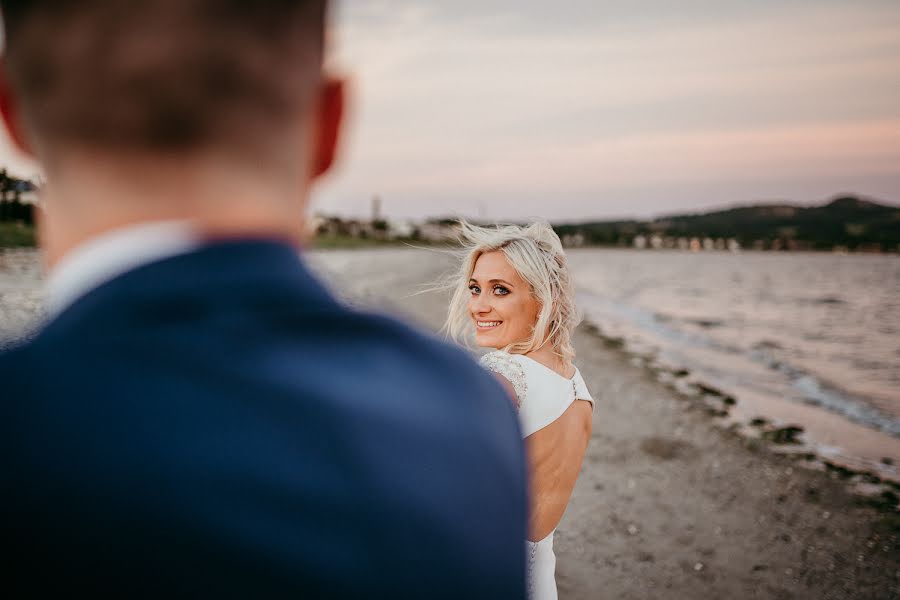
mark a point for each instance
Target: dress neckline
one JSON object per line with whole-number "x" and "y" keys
{"x": 569, "y": 379}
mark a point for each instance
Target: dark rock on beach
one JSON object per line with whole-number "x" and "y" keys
{"x": 784, "y": 435}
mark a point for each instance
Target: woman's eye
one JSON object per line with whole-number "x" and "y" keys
{"x": 500, "y": 290}
{"x": 474, "y": 289}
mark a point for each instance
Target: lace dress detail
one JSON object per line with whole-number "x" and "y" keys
{"x": 531, "y": 552}
{"x": 503, "y": 364}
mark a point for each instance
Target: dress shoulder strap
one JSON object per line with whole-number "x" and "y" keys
{"x": 503, "y": 364}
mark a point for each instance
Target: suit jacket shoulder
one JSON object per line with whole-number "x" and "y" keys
{"x": 218, "y": 423}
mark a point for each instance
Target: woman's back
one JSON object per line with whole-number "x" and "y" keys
{"x": 556, "y": 428}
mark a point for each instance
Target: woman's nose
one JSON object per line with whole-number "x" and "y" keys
{"x": 480, "y": 304}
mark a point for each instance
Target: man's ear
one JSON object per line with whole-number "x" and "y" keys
{"x": 11, "y": 115}
{"x": 327, "y": 123}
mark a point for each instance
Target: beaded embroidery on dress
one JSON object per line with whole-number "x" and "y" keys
{"x": 503, "y": 364}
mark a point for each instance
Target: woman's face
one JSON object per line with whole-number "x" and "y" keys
{"x": 500, "y": 304}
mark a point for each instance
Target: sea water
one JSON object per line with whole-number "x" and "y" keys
{"x": 811, "y": 329}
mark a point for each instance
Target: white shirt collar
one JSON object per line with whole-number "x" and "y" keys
{"x": 107, "y": 256}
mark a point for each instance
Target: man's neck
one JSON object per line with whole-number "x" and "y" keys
{"x": 218, "y": 200}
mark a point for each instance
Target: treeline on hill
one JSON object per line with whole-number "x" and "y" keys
{"x": 16, "y": 216}
{"x": 845, "y": 222}
{"x": 12, "y": 209}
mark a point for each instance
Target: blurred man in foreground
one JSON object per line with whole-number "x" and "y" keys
{"x": 199, "y": 416}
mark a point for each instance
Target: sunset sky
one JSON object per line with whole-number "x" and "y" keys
{"x": 601, "y": 109}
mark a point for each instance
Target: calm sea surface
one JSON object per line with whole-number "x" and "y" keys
{"x": 820, "y": 329}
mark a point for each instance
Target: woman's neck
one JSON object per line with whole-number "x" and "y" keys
{"x": 547, "y": 357}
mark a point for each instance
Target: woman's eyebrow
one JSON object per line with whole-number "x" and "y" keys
{"x": 506, "y": 283}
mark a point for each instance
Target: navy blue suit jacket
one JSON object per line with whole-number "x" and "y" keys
{"x": 216, "y": 424}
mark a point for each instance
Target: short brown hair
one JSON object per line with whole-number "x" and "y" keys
{"x": 161, "y": 75}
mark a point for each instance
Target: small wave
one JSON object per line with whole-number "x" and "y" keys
{"x": 826, "y": 300}
{"x": 657, "y": 325}
{"x": 767, "y": 345}
{"x": 706, "y": 323}
{"x": 821, "y": 394}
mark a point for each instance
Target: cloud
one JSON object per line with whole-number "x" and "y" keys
{"x": 500, "y": 106}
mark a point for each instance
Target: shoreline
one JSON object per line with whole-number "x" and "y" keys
{"x": 781, "y": 436}
{"x": 829, "y": 439}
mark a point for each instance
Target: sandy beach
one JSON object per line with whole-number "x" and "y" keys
{"x": 670, "y": 504}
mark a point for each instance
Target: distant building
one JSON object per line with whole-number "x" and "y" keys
{"x": 438, "y": 231}
{"x": 573, "y": 240}
{"x": 640, "y": 242}
{"x": 400, "y": 229}
{"x": 376, "y": 209}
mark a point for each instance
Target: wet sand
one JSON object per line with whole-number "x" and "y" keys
{"x": 670, "y": 503}
{"x": 21, "y": 298}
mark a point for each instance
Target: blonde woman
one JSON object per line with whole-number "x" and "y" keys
{"x": 514, "y": 291}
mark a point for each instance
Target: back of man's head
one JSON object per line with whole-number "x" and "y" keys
{"x": 161, "y": 76}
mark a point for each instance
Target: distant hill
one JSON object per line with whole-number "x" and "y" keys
{"x": 844, "y": 222}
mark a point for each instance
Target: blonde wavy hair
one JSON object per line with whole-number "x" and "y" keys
{"x": 537, "y": 255}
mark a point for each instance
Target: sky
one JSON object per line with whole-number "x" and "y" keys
{"x": 598, "y": 109}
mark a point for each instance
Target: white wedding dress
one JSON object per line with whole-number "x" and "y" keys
{"x": 543, "y": 396}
